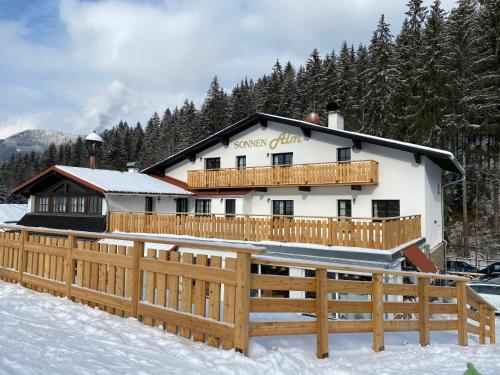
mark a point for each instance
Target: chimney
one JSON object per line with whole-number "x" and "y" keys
{"x": 131, "y": 167}
{"x": 93, "y": 142}
{"x": 335, "y": 116}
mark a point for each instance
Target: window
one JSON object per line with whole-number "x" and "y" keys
{"x": 77, "y": 205}
{"x": 95, "y": 205}
{"x": 181, "y": 205}
{"x": 344, "y": 154}
{"x": 241, "y": 162}
{"x": 212, "y": 163}
{"x": 283, "y": 208}
{"x": 42, "y": 204}
{"x": 202, "y": 206}
{"x": 283, "y": 159}
{"x": 230, "y": 206}
{"x": 385, "y": 208}
{"x": 59, "y": 204}
{"x": 149, "y": 204}
{"x": 344, "y": 208}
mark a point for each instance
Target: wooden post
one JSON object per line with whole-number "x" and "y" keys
{"x": 423, "y": 310}
{"x": 482, "y": 323}
{"x": 462, "y": 313}
{"x": 492, "y": 326}
{"x": 321, "y": 313}
{"x": 242, "y": 303}
{"x": 21, "y": 258}
{"x": 137, "y": 254}
{"x": 378, "y": 311}
{"x": 68, "y": 265}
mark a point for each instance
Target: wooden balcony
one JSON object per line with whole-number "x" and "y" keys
{"x": 323, "y": 174}
{"x": 379, "y": 233}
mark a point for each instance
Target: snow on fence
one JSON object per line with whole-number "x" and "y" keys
{"x": 373, "y": 233}
{"x": 208, "y": 292}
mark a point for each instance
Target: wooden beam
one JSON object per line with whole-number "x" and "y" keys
{"x": 138, "y": 253}
{"x": 423, "y": 310}
{"x": 321, "y": 313}
{"x": 482, "y": 323}
{"x": 492, "y": 326}
{"x": 304, "y": 188}
{"x": 378, "y": 311}
{"x": 461, "y": 288}
{"x": 21, "y": 258}
{"x": 68, "y": 264}
{"x": 242, "y": 303}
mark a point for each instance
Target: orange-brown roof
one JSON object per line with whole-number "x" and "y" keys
{"x": 418, "y": 258}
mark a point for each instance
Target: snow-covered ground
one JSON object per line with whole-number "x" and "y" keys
{"x": 42, "y": 334}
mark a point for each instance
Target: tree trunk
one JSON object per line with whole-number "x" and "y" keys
{"x": 465, "y": 248}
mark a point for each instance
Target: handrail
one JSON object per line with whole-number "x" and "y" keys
{"x": 251, "y": 249}
{"x": 381, "y": 219}
{"x": 284, "y": 166}
{"x": 478, "y": 297}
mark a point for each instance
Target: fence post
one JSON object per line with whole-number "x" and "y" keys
{"x": 462, "y": 313}
{"x": 21, "y": 259}
{"x": 242, "y": 303}
{"x": 492, "y": 326}
{"x": 137, "y": 254}
{"x": 423, "y": 310}
{"x": 482, "y": 323}
{"x": 378, "y": 311}
{"x": 321, "y": 313}
{"x": 69, "y": 269}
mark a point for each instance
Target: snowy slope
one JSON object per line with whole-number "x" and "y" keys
{"x": 42, "y": 334}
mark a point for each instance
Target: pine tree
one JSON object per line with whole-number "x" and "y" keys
{"x": 215, "y": 110}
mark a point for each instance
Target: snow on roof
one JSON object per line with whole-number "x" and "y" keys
{"x": 123, "y": 182}
{"x": 12, "y": 213}
{"x": 94, "y": 137}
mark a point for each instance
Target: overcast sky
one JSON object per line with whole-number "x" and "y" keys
{"x": 77, "y": 65}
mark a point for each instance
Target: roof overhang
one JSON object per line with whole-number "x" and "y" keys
{"x": 443, "y": 159}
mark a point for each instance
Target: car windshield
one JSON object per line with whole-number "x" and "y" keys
{"x": 486, "y": 289}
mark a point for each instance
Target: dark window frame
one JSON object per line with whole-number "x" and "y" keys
{"x": 148, "y": 205}
{"x": 204, "y": 204}
{"x": 349, "y": 208}
{"x": 240, "y": 165}
{"x": 230, "y": 206}
{"x": 209, "y": 161}
{"x": 283, "y": 207}
{"x": 81, "y": 202}
{"x": 56, "y": 206}
{"x": 181, "y": 205}
{"x": 387, "y": 211}
{"x": 344, "y": 154}
{"x": 282, "y": 159}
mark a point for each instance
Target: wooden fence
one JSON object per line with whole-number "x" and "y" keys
{"x": 380, "y": 233}
{"x": 201, "y": 295}
{"x": 363, "y": 172}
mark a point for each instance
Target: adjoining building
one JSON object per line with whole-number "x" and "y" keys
{"x": 266, "y": 178}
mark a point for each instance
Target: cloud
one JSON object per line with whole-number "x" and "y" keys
{"x": 15, "y": 125}
{"x": 121, "y": 59}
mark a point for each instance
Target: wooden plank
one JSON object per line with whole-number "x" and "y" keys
{"x": 173, "y": 291}
{"x": 111, "y": 277}
{"x": 45, "y": 284}
{"x": 350, "y": 326}
{"x": 337, "y": 306}
{"x": 111, "y": 259}
{"x": 22, "y": 255}
{"x": 482, "y": 324}
{"x": 353, "y": 287}
{"x": 136, "y": 294}
{"x": 492, "y": 326}
{"x": 186, "y": 294}
{"x": 443, "y": 308}
{"x": 282, "y": 305}
{"x": 229, "y": 300}
{"x": 45, "y": 249}
{"x": 400, "y": 289}
{"x": 214, "y": 301}
{"x": 123, "y": 275}
{"x": 442, "y": 291}
{"x": 192, "y": 271}
{"x": 378, "y": 312}
{"x": 9, "y": 274}
{"x": 473, "y": 329}
{"x": 286, "y": 283}
{"x": 282, "y": 328}
{"x": 68, "y": 264}
{"x": 461, "y": 293}
{"x": 423, "y": 311}
{"x": 401, "y": 325}
{"x": 200, "y": 292}
{"x": 101, "y": 298}
{"x": 150, "y": 286}
{"x": 242, "y": 303}
{"x": 187, "y": 321}
{"x": 401, "y": 307}
{"x": 161, "y": 288}
{"x": 321, "y": 313}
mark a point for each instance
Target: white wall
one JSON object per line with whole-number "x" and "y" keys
{"x": 400, "y": 177}
{"x": 137, "y": 203}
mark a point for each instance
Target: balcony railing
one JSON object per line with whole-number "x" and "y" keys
{"x": 323, "y": 174}
{"x": 372, "y": 233}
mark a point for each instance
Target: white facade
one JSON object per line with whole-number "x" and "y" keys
{"x": 415, "y": 185}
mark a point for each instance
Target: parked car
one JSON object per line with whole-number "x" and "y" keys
{"x": 460, "y": 266}
{"x": 492, "y": 269}
{"x": 489, "y": 290}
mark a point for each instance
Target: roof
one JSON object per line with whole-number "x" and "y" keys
{"x": 442, "y": 158}
{"x": 109, "y": 181}
{"x": 12, "y": 213}
{"x": 418, "y": 258}
{"x": 94, "y": 137}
